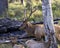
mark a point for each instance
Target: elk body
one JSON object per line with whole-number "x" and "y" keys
{"x": 37, "y": 30}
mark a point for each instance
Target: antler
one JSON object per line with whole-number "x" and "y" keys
{"x": 31, "y": 12}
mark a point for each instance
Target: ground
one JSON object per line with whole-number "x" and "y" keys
{"x": 10, "y": 46}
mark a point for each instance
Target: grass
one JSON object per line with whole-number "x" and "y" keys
{"x": 58, "y": 46}
{"x": 5, "y": 46}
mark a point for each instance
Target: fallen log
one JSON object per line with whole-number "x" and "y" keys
{"x": 41, "y": 22}
{"x": 7, "y": 25}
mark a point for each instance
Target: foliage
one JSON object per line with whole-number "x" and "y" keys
{"x": 16, "y": 9}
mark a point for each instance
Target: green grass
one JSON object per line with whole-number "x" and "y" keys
{"x": 5, "y": 46}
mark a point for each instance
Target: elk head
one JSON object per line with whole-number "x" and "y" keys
{"x": 31, "y": 12}
{"x": 27, "y": 26}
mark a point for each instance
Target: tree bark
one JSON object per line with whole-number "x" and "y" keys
{"x": 3, "y": 7}
{"x": 11, "y": 1}
{"x": 48, "y": 23}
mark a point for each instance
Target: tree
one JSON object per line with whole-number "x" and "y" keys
{"x": 21, "y": 1}
{"x": 11, "y": 1}
{"x": 3, "y": 7}
{"x": 48, "y": 23}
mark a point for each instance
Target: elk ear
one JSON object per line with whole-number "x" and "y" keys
{"x": 28, "y": 23}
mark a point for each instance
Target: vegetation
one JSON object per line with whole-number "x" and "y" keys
{"x": 16, "y": 9}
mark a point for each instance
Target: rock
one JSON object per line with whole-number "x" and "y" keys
{"x": 35, "y": 44}
{"x": 18, "y": 46}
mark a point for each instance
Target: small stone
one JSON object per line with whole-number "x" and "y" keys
{"x": 35, "y": 44}
{"x": 18, "y": 46}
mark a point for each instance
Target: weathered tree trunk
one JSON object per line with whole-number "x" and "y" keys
{"x": 11, "y": 1}
{"x": 48, "y": 23}
{"x": 3, "y": 7}
{"x": 21, "y": 1}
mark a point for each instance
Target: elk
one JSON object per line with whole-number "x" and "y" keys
{"x": 37, "y": 30}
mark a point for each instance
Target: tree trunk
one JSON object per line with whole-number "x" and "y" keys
{"x": 3, "y": 7}
{"x": 11, "y": 1}
{"x": 48, "y": 23}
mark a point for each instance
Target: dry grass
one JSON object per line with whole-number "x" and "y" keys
{"x": 58, "y": 46}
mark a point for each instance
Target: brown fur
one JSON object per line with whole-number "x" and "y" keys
{"x": 37, "y": 30}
